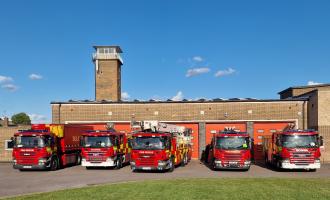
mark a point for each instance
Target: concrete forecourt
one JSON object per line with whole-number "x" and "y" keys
{"x": 195, "y": 180}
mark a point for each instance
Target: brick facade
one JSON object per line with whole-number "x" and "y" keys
{"x": 5, "y": 134}
{"x": 180, "y": 111}
{"x": 108, "y": 80}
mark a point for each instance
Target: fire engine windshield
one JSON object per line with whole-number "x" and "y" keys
{"x": 232, "y": 143}
{"x": 152, "y": 143}
{"x": 97, "y": 142}
{"x": 299, "y": 141}
{"x": 30, "y": 141}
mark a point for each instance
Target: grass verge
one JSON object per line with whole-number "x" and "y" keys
{"x": 243, "y": 189}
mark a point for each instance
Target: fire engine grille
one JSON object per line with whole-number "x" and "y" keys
{"x": 27, "y": 158}
{"x": 302, "y": 158}
{"x": 96, "y": 156}
{"x": 232, "y": 157}
{"x": 146, "y": 160}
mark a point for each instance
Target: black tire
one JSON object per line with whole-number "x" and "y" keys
{"x": 182, "y": 164}
{"x": 266, "y": 161}
{"x": 54, "y": 164}
{"x": 88, "y": 168}
{"x": 119, "y": 162}
{"x": 185, "y": 159}
{"x": 212, "y": 165}
{"x": 312, "y": 170}
{"x": 171, "y": 169}
{"x": 78, "y": 161}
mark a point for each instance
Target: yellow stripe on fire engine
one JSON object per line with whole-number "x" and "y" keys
{"x": 57, "y": 130}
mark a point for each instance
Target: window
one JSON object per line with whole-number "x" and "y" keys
{"x": 9, "y": 144}
{"x": 272, "y": 130}
{"x": 101, "y": 50}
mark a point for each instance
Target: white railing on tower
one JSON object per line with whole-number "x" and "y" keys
{"x": 107, "y": 56}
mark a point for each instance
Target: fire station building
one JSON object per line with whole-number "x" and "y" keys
{"x": 306, "y": 107}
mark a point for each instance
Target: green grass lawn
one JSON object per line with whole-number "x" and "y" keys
{"x": 200, "y": 189}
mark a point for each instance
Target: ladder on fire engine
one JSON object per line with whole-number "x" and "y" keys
{"x": 182, "y": 133}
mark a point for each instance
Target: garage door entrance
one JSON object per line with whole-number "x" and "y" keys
{"x": 194, "y": 127}
{"x": 261, "y": 129}
{"x": 240, "y": 126}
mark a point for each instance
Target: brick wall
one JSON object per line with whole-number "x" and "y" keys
{"x": 108, "y": 80}
{"x": 180, "y": 111}
{"x": 5, "y": 134}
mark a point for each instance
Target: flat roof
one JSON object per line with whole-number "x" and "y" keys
{"x": 183, "y": 101}
{"x": 109, "y": 46}
{"x": 304, "y": 87}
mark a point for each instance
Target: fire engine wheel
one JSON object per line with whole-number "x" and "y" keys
{"x": 266, "y": 161}
{"x": 172, "y": 166}
{"x": 78, "y": 159}
{"x": 54, "y": 164}
{"x": 185, "y": 160}
{"x": 213, "y": 165}
{"x": 119, "y": 162}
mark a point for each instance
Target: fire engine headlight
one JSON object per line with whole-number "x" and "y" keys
{"x": 15, "y": 162}
{"x": 162, "y": 163}
{"x": 317, "y": 160}
{"x": 217, "y": 162}
{"x": 247, "y": 162}
{"x": 286, "y": 161}
{"x": 110, "y": 159}
{"x": 42, "y": 161}
{"x": 132, "y": 163}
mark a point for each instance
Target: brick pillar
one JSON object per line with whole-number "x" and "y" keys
{"x": 249, "y": 128}
{"x": 201, "y": 138}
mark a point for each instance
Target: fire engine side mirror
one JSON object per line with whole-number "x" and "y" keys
{"x": 278, "y": 141}
{"x": 321, "y": 141}
{"x": 116, "y": 141}
{"x": 129, "y": 141}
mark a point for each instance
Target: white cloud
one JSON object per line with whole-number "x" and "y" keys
{"x": 5, "y": 79}
{"x": 313, "y": 83}
{"x": 36, "y": 118}
{"x": 178, "y": 97}
{"x": 197, "y": 71}
{"x": 125, "y": 96}
{"x": 225, "y": 72}
{"x": 197, "y": 58}
{"x": 10, "y": 87}
{"x": 35, "y": 76}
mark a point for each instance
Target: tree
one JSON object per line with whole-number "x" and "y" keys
{"x": 21, "y": 119}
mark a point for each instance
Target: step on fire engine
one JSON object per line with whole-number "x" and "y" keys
{"x": 159, "y": 146}
{"x": 293, "y": 149}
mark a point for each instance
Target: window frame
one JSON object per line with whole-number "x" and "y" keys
{"x": 6, "y": 145}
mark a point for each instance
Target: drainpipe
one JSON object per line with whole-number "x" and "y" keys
{"x": 59, "y": 113}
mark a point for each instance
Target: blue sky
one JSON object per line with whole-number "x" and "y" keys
{"x": 182, "y": 49}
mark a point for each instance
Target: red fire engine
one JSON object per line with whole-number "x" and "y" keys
{"x": 47, "y": 147}
{"x": 160, "y": 146}
{"x": 105, "y": 148}
{"x": 293, "y": 149}
{"x": 229, "y": 149}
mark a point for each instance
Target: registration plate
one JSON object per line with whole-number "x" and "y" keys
{"x": 146, "y": 168}
{"x": 27, "y": 167}
{"x": 232, "y": 163}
